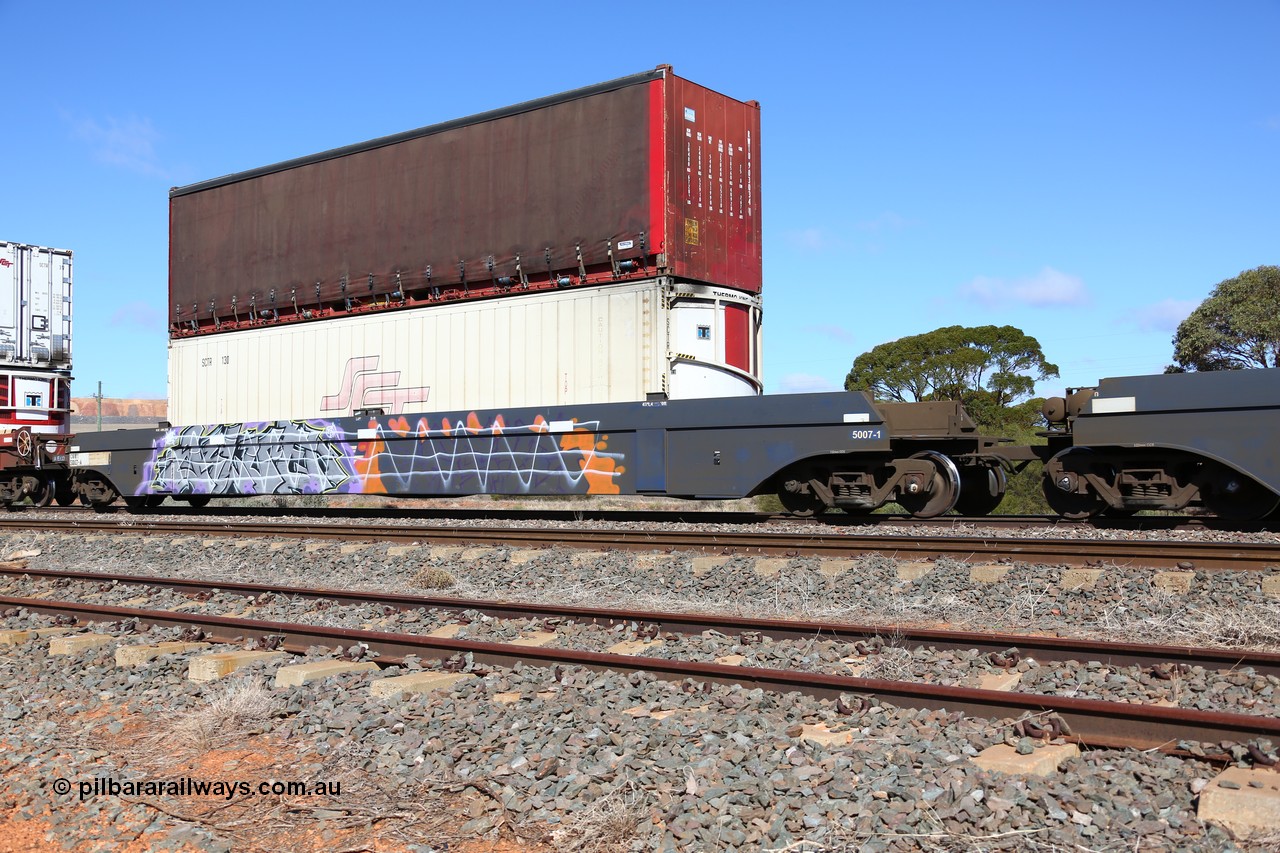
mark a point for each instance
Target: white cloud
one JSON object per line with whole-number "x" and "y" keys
{"x": 1047, "y": 288}
{"x": 1163, "y": 316}
{"x": 129, "y": 143}
{"x": 858, "y": 235}
{"x": 804, "y": 383}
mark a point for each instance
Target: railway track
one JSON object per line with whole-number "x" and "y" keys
{"x": 690, "y": 516}
{"x": 1207, "y": 556}
{"x": 1039, "y": 647}
{"x": 1090, "y": 722}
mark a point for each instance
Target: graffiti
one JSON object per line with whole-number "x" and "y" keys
{"x": 364, "y": 388}
{"x": 389, "y": 456}
{"x": 470, "y": 458}
{"x": 283, "y": 457}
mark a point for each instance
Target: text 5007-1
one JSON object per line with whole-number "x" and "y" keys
{"x": 872, "y": 433}
{"x": 208, "y": 362}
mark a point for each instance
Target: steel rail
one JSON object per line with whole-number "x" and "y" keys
{"x": 1039, "y": 648}
{"x": 694, "y": 515}
{"x": 1090, "y": 722}
{"x": 1208, "y": 556}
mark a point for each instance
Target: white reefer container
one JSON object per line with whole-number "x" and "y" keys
{"x": 655, "y": 339}
{"x": 35, "y": 306}
{"x": 35, "y": 340}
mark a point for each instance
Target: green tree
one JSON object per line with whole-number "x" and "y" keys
{"x": 1237, "y": 326}
{"x": 989, "y": 368}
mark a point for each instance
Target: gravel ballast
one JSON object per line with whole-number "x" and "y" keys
{"x": 565, "y": 758}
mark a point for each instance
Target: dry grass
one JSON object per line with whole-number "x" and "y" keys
{"x": 373, "y": 810}
{"x": 226, "y": 717}
{"x": 608, "y": 824}
{"x": 1182, "y": 623}
{"x": 894, "y": 660}
{"x": 433, "y": 577}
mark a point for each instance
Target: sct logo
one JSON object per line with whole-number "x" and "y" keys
{"x": 364, "y": 386}
{"x": 5, "y": 262}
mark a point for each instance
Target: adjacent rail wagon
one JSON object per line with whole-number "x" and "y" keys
{"x": 35, "y": 372}
{"x": 1167, "y": 442}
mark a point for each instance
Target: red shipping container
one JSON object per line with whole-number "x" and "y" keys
{"x": 645, "y": 175}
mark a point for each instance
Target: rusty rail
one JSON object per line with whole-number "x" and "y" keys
{"x": 692, "y": 515}
{"x": 1040, "y": 648}
{"x": 1091, "y": 722}
{"x": 1208, "y": 556}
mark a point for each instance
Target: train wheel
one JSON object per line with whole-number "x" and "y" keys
{"x": 63, "y": 495}
{"x": 1233, "y": 496}
{"x": 981, "y": 489}
{"x": 1065, "y": 487}
{"x": 135, "y": 503}
{"x": 154, "y": 501}
{"x": 943, "y": 489}
{"x": 97, "y": 493}
{"x": 43, "y": 495}
{"x": 800, "y": 504}
{"x": 197, "y": 501}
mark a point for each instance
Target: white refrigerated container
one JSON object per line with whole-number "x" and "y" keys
{"x": 655, "y": 339}
{"x": 35, "y": 306}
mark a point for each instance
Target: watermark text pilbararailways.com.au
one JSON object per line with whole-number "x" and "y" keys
{"x": 186, "y": 786}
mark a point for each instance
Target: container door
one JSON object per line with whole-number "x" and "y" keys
{"x": 48, "y": 309}
{"x": 737, "y": 336}
{"x": 10, "y": 299}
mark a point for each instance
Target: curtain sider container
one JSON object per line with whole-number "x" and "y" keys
{"x": 637, "y": 177}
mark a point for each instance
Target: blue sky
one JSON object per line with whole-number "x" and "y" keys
{"x": 1084, "y": 171}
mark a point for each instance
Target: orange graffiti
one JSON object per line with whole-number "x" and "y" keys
{"x": 598, "y": 470}
{"x": 366, "y": 464}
